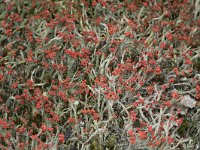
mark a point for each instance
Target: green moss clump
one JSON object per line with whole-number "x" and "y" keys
{"x": 160, "y": 78}
{"x": 95, "y": 145}
{"x": 47, "y": 77}
{"x": 136, "y": 124}
{"x": 111, "y": 142}
{"x": 183, "y": 128}
{"x": 196, "y": 65}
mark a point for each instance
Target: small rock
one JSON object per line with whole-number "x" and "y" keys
{"x": 187, "y": 101}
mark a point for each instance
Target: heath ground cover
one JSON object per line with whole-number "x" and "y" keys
{"x": 99, "y": 74}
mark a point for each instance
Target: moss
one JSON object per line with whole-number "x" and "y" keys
{"x": 136, "y": 124}
{"x": 183, "y": 128}
{"x": 193, "y": 130}
{"x": 38, "y": 120}
{"x": 47, "y": 77}
{"x": 159, "y": 78}
{"x": 43, "y": 138}
{"x": 196, "y": 65}
{"x": 120, "y": 122}
{"x": 95, "y": 145}
{"x": 111, "y": 142}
